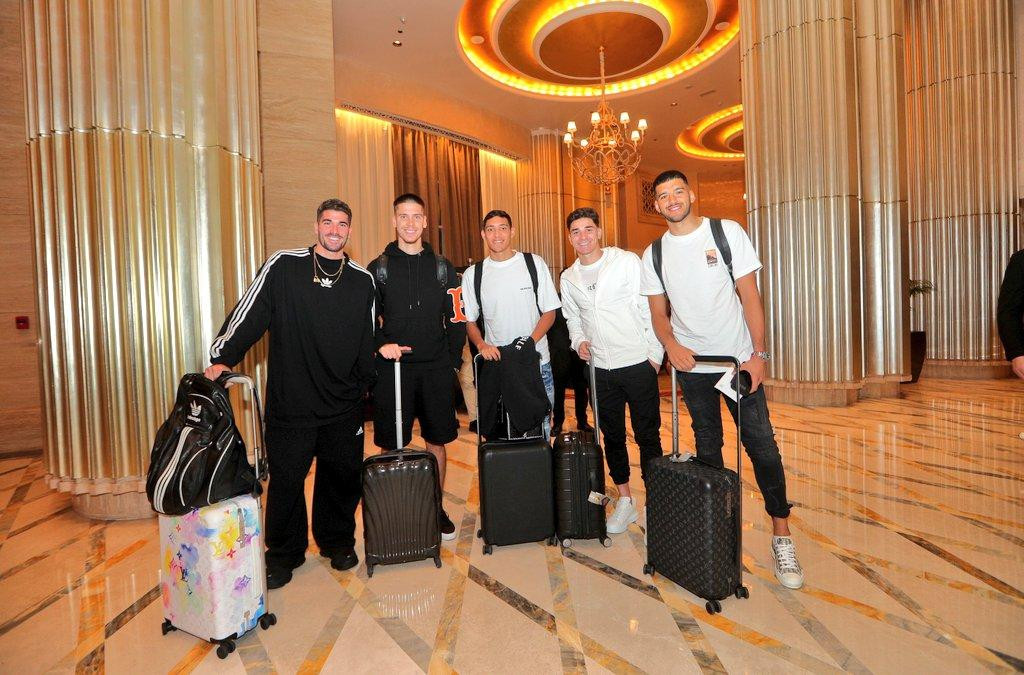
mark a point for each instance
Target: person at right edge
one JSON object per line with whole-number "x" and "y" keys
{"x": 701, "y": 310}
{"x": 1010, "y": 313}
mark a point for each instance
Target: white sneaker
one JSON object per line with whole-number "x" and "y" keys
{"x": 624, "y": 514}
{"x": 787, "y": 567}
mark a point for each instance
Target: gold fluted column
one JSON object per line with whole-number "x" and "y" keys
{"x": 798, "y": 62}
{"x": 540, "y": 200}
{"x": 883, "y": 162}
{"x": 143, "y": 146}
{"x": 964, "y": 209}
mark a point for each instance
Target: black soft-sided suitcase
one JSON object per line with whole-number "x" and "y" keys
{"x": 517, "y": 503}
{"x": 401, "y": 502}
{"x": 579, "y": 472}
{"x": 694, "y": 517}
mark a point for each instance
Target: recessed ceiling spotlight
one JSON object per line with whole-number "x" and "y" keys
{"x": 477, "y": 39}
{"x": 396, "y": 43}
{"x": 721, "y": 25}
{"x": 673, "y": 104}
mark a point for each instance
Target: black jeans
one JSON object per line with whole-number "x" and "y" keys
{"x": 574, "y": 375}
{"x": 636, "y": 385}
{"x": 758, "y": 436}
{"x": 338, "y": 448}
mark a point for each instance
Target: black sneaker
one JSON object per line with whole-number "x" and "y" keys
{"x": 472, "y": 427}
{"x": 585, "y": 427}
{"x": 278, "y": 577}
{"x": 555, "y": 431}
{"x": 447, "y": 527}
{"x": 344, "y": 558}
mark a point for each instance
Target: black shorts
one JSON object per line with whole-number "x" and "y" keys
{"x": 428, "y": 394}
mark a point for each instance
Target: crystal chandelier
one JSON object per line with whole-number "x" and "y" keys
{"x": 611, "y": 152}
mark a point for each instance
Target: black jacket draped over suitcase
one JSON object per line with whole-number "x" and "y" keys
{"x": 516, "y": 380}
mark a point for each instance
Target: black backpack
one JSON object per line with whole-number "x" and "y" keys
{"x": 381, "y": 273}
{"x": 199, "y": 456}
{"x": 720, "y": 241}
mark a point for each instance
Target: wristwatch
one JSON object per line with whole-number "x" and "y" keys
{"x": 765, "y": 356}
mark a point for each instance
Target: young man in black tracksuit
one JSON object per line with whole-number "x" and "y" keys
{"x": 420, "y": 323}
{"x": 318, "y": 306}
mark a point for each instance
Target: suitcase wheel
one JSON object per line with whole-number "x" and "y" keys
{"x": 437, "y": 561}
{"x": 606, "y": 542}
{"x": 369, "y": 570}
{"x": 267, "y": 620}
{"x": 488, "y": 549}
{"x": 742, "y": 593}
{"x": 480, "y": 534}
{"x": 713, "y": 606}
{"x": 166, "y": 627}
{"x": 648, "y": 569}
{"x": 552, "y": 540}
{"x": 567, "y": 543}
{"x": 225, "y": 648}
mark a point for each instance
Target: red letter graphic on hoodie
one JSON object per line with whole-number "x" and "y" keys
{"x": 458, "y": 309}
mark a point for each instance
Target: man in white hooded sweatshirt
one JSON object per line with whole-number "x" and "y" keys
{"x": 610, "y": 322}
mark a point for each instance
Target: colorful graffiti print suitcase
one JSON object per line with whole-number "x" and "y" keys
{"x": 213, "y": 578}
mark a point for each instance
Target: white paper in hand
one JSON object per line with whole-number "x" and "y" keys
{"x": 724, "y": 385}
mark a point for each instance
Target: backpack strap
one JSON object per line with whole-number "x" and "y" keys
{"x": 531, "y": 267}
{"x": 718, "y": 232}
{"x": 656, "y": 261}
{"x": 478, "y": 275}
{"x": 442, "y": 270}
{"x": 382, "y": 269}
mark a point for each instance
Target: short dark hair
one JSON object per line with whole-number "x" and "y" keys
{"x": 496, "y": 213}
{"x": 579, "y": 214}
{"x": 408, "y": 197}
{"x": 333, "y": 204}
{"x": 666, "y": 176}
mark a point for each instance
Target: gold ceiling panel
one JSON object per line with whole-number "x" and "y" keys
{"x": 549, "y": 47}
{"x": 718, "y": 136}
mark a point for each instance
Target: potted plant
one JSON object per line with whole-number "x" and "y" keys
{"x": 918, "y": 338}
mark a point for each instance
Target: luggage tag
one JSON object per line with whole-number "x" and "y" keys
{"x": 598, "y": 498}
{"x": 681, "y": 457}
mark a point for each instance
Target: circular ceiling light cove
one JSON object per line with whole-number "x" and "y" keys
{"x": 705, "y": 138}
{"x": 516, "y": 57}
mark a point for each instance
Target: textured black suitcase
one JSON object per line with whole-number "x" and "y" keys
{"x": 517, "y": 502}
{"x": 401, "y": 502}
{"x": 694, "y": 516}
{"x": 579, "y": 475}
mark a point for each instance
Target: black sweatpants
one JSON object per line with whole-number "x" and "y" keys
{"x": 574, "y": 375}
{"x": 637, "y": 386}
{"x": 338, "y": 448}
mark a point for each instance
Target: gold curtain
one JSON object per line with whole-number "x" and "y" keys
{"x": 446, "y": 174}
{"x": 365, "y": 177}
{"x": 143, "y": 149}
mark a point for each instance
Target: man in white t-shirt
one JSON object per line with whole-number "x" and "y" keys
{"x": 610, "y": 323}
{"x": 712, "y": 314}
{"x": 511, "y": 308}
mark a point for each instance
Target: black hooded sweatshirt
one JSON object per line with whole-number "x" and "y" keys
{"x": 414, "y": 310}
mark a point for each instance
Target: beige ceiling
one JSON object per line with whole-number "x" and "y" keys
{"x": 429, "y": 63}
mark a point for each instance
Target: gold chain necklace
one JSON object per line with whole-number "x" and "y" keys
{"x": 320, "y": 276}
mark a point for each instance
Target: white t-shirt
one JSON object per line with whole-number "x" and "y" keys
{"x": 707, "y": 315}
{"x": 589, "y": 274}
{"x": 510, "y": 308}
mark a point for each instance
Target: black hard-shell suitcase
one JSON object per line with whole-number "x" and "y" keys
{"x": 694, "y": 516}
{"x": 401, "y": 502}
{"x": 579, "y": 473}
{"x": 517, "y": 503}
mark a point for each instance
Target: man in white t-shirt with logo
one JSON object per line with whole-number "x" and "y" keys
{"x": 610, "y": 323}
{"x": 707, "y": 312}
{"x": 512, "y": 308}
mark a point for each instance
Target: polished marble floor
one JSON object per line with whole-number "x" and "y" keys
{"x": 908, "y": 521}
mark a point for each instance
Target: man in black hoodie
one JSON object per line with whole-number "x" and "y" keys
{"x": 420, "y": 322}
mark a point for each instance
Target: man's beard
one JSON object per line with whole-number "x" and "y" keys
{"x": 681, "y": 218}
{"x": 327, "y": 247}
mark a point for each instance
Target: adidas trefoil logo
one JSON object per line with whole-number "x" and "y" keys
{"x": 196, "y": 409}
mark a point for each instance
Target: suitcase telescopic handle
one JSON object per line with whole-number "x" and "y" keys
{"x": 398, "y": 406}
{"x": 476, "y": 383}
{"x": 593, "y": 396}
{"x": 228, "y": 379}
